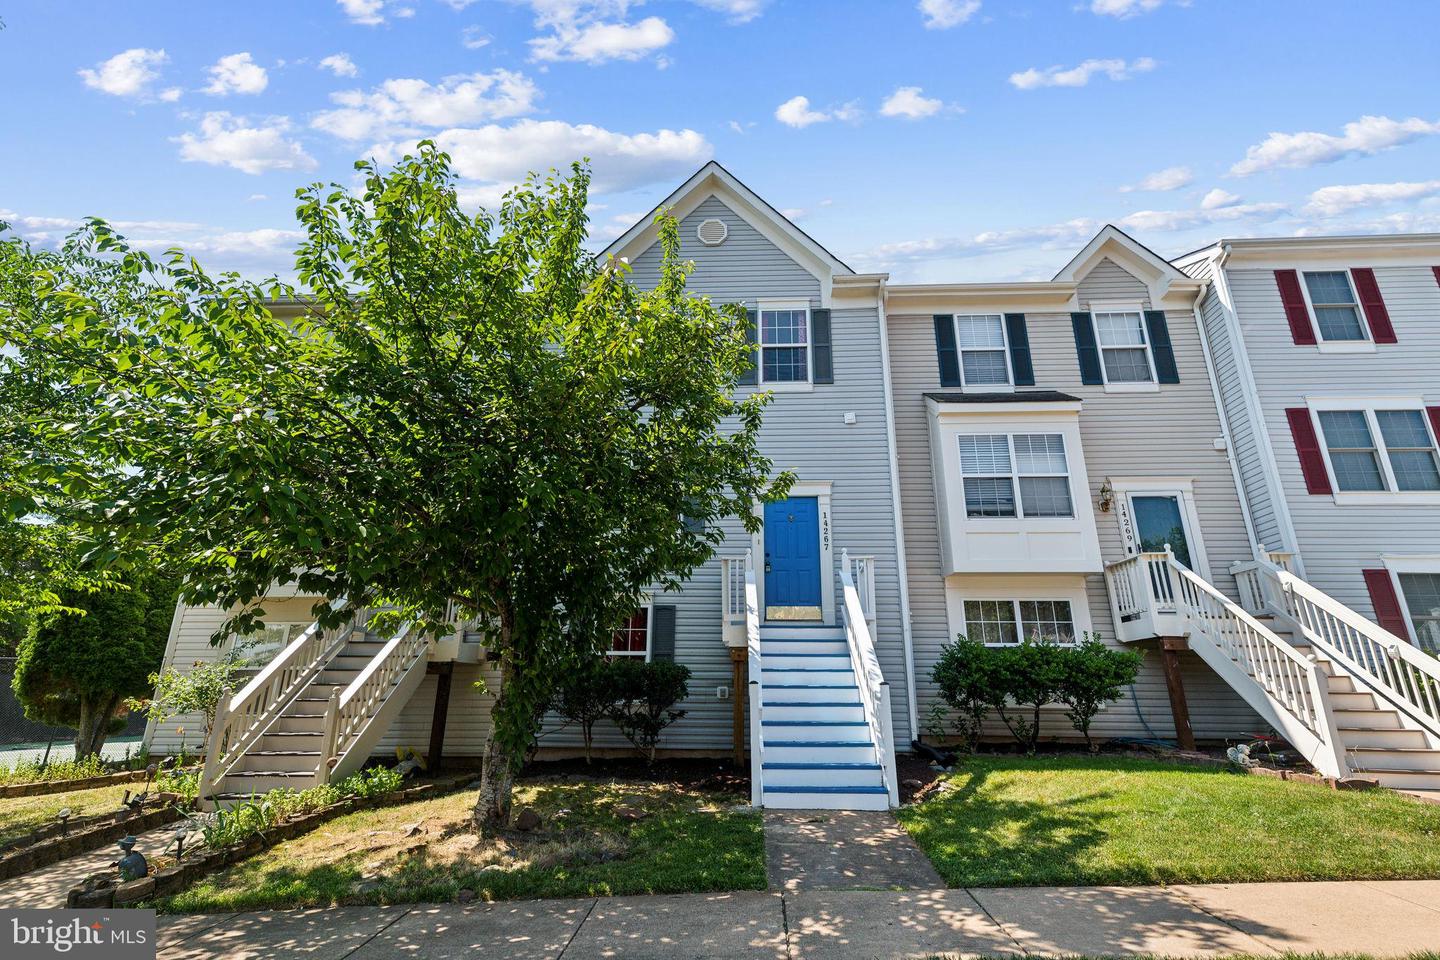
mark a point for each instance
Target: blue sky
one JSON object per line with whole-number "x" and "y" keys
{"x": 938, "y": 140}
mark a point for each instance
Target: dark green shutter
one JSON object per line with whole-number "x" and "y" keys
{"x": 662, "y": 632}
{"x": 1019, "y": 339}
{"x": 1159, "y": 332}
{"x": 751, "y": 376}
{"x": 820, "y": 352}
{"x": 1086, "y": 348}
{"x": 946, "y": 350}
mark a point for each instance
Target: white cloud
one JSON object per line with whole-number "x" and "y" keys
{"x": 473, "y": 38}
{"x": 170, "y": 94}
{"x": 401, "y": 107}
{"x": 340, "y": 64}
{"x": 796, "y": 112}
{"x": 257, "y": 197}
{"x": 1167, "y": 221}
{"x": 131, "y": 73}
{"x": 1079, "y": 76}
{"x": 1366, "y": 136}
{"x": 599, "y": 42}
{"x": 497, "y": 157}
{"x": 944, "y": 14}
{"x": 1171, "y": 178}
{"x": 1330, "y": 201}
{"x": 364, "y": 12}
{"x": 248, "y": 146}
{"x": 1218, "y": 198}
{"x": 739, "y": 11}
{"x": 458, "y": 5}
{"x": 237, "y": 73}
{"x": 910, "y": 103}
{"x": 1123, "y": 9}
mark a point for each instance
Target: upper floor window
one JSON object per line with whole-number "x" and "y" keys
{"x": 984, "y": 360}
{"x": 1422, "y": 602}
{"x": 632, "y": 639}
{"x": 785, "y": 345}
{"x": 1004, "y": 623}
{"x": 1380, "y": 450}
{"x": 1124, "y": 347}
{"x": 259, "y": 648}
{"x": 994, "y": 465}
{"x": 1333, "y": 303}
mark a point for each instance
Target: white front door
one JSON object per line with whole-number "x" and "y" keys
{"x": 1153, "y": 515}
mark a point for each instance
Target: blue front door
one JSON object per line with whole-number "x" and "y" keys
{"x": 792, "y": 559}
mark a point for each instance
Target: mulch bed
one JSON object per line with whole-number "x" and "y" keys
{"x": 705, "y": 774}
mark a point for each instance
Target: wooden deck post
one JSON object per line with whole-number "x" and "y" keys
{"x": 739, "y": 667}
{"x": 444, "y": 672}
{"x": 1170, "y": 648}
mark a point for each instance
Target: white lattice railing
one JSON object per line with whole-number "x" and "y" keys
{"x": 732, "y": 599}
{"x": 350, "y": 710}
{"x": 874, "y": 689}
{"x": 1373, "y": 657}
{"x": 755, "y": 689}
{"x": 1142, "y": 597}
{"x": 862, "y": 571}
{"x": 242, "y": 718}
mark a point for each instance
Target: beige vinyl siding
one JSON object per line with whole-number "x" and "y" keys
{"x": 1337, "y": 542}
{"x": 1110, "y": 282}
{"x": 1169, "y": 434}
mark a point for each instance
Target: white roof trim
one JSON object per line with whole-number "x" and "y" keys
{"x": 713, "y": 180}
{"x": 1157, "y": 273}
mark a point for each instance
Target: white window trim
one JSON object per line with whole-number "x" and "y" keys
{"x": 1015, "y": 476}
{"x": 1115, "y": 306}
{"x": 820, "y": 490}
{"x": 648, "y": 605}
{"x": 1396, "y": 565}
{"x": 784, "y": 386}
{"x": 965, "y": 387}
{"x": 1184, "y": 487}
{"x": 1366, "y": 345}
{"x": 1019, "y": 622}
{"x": 1391, "y": 495}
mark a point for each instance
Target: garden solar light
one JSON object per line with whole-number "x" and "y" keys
{"x": 64, "y": 817}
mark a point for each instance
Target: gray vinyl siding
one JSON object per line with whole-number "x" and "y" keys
{"x": 1110, "y": 281}
{"x": 1337, "y": 542}
{"x": 1244, "y": 439}
{"x": 1165, "y": 434}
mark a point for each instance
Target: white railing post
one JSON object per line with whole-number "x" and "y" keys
{"x": 887, "y": 746}
{"x": 874, "y": 691}
{"x": 208, "y": 773}
{"x": 1325, "y": 720}
{"x": 329, "y": 737}
{"x": 755, "y": 688}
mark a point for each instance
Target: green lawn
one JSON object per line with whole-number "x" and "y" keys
{"x": 20, "y": 815}
{"x": 690, "y": 842}
{"x": 1051, "y": 821}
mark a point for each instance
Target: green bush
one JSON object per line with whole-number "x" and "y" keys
{"x": 32, "y": 771}
{"x": 1017, "y": 682}
{"x": 645, "y": 694}
{"x": 374, "y": 782}
{"x": 586, "y": 695}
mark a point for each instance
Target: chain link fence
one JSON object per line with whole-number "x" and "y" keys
{"x": 22, "y": 736}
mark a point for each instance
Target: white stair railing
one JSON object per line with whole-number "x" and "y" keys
{"x": 874, "y": 689}
{"x": 242, "y": 718}
{"x": 732, "y": 599}
{"x": 1373, "y": 657}
{"x": 1285, "y": 687}
{"x": 352, "y": 709}
{"x": 1142, "y": 597}
{"x": 755, "y": 688}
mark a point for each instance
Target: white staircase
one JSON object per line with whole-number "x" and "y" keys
{"x": 819, "y": 711}
{"x": 314, "y": 712}
{"x": 1384, "y": 692}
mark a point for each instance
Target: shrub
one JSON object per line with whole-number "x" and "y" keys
{"x": 374, "y": 782}
{"x": 184, "y": 782}
{"x": 198, "y": 691}
{"x": 966, "y": 676}
{"x": 645, "y": 694}
{"x": 1028, "y": 674}
{"x": 1092, "y": 676}
{"x": 586, "y": 695}
{"x": 33, "y": 771}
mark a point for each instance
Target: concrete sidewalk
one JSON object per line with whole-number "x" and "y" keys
{"x": 1391, "y": 918}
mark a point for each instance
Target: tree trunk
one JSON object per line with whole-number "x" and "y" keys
{"x": 497, "y": 783}
{"x": 94, "y": 724}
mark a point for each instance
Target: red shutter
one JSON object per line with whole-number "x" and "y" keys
{"x": 1434, "y": 420}
{"x": 1385, "y": 602}
{"x": 1436, "y": 271}
{"x": 1307, "y": 445}
{"x": 1369, "y": 292}
{"x": 1295, "y": 310}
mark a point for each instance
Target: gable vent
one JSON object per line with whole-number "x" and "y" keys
{"x": 712, "y": 232}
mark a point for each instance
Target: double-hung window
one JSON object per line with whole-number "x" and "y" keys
{"x": 1422, "y": 601}
{"x": 632, "y": 639}
{"x": 1008, "y": 622}
{"x": 259, "y": 648}
{"x": 785, "y": 345}
{"x": 1124, "y": 346}
{"x": 1380, "y": 451}
{"x": 984, "y": 361}
{"x": 1332, "y": 301}
{"x": 994, "y": 465}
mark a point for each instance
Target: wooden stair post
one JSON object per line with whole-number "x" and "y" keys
{"x": 738, "y": 686}
{"x": 1170, "y": 648}
{"x": 444, "y": 672}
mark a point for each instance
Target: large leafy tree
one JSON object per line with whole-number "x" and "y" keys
{"x": 83, "y": 661}
{"x": 467, "y": 409}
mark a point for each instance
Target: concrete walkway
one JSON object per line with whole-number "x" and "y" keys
{"x": 49, "y": 886}
{"x": 1392, "y": 918}
{"x": 843, "y": 850}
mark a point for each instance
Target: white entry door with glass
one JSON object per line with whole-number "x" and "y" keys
{"x": 1153, "y": 516}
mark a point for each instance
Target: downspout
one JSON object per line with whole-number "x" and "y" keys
{"x": 901, "y": 570}
{"x": 1257, "y": 415}
{"x": 1224, "y": 418}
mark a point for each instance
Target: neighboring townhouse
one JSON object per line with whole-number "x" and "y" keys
{"x": 1327, "y": 360}
{"x": 1002, "y": 461}
{"x": 1047, "y": 430}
